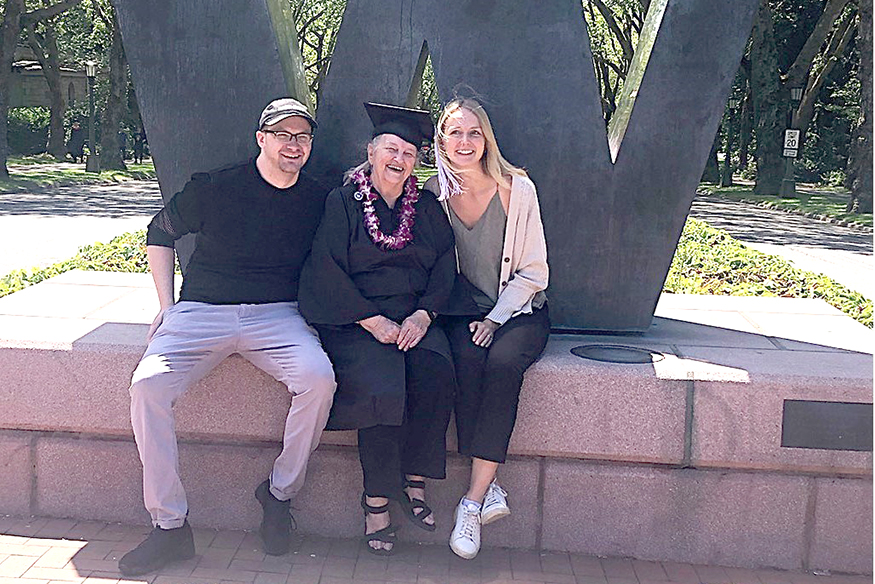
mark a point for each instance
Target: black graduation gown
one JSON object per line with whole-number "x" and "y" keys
{"x": 347, "y": 278}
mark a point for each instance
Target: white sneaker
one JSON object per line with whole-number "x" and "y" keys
{"x": 465, "y": 539}
{"x": 494, "y": 504}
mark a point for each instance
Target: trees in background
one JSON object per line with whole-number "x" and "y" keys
{"x": 116, "y": 91}
{"x": 66, "y": 34}
{"x": 807, "y": 44}
{"x": 17, "y": 16}
{"x": 42, "y": 39}
{"x": 794, "y": 45}
{"x": 317, "y": 23}
{"x": 859, "y": 175}
{"x": 823, "y": 47}
{"x": 614, "y": 27}
{"x": 769, "y": 99}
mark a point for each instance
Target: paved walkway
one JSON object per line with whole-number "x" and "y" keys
{"x": 43, "y": 551}
{"x": 842, "y": 253}
{"x": 39, "y": 229}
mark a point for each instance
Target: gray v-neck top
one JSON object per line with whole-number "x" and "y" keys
{"x": 480, "y": 251}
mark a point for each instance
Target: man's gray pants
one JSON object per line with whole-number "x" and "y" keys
{"x": 195, "y": 337}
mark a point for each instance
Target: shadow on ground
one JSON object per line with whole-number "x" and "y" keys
{"x": 66, "y": 550}
{"x": 759, "y": 225}
{"x": 135, "y": 198}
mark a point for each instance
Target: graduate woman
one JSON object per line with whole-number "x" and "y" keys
{"x": 382, "y": 266}
{"x": 494, "y": 213}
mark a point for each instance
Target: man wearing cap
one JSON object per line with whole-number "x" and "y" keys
{"x": 254, "y": 224}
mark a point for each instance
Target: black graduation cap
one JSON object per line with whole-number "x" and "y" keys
{"x": 412, "y": 125}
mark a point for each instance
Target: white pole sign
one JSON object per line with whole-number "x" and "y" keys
{"x": 791, "y": 143}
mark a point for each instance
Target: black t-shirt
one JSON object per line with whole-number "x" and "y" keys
{"x": 251, "y": 237}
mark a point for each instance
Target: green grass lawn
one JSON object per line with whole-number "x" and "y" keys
{"x": 31, "y": 160}
{"x": 41, "y": 171}
{"x": 826, "y": 201}
{"x": 423, "y": 173}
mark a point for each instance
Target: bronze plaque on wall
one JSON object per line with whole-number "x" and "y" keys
{"x": 827, "y": 425}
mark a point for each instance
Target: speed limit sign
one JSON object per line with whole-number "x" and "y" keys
{"x": 791, "y": 143}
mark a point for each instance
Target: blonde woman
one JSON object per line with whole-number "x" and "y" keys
{"x": 501, "y": 251}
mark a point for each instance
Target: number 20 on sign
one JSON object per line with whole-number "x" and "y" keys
{"x": 791, "y": 143}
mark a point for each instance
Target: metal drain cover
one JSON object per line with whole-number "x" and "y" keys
{"x": 617, "y": 354}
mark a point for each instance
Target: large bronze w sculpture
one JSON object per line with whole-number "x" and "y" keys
{"x": 614, "y": 202}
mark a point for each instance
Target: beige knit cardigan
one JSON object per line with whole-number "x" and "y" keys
{"x": 524, "y": 271}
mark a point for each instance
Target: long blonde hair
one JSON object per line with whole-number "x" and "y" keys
{"x": 493, "y": 163}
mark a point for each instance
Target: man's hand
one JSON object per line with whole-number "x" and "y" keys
{"x": 413, "y": 329}
{"x": 155, "y": 324}
{"x": 482, "y": 331}
{"x": 383, "y": 329}
{"x": 161, "y": 261}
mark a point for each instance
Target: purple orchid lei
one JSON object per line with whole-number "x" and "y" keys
{"x": 403, "y": 234}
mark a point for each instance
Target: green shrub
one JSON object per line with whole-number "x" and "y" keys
{"x": 28, "y": 130}
{"x": 835, "y": 178}
{"x": 125, "y": 253}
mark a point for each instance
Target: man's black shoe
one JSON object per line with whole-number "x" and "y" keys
{"x": 161, "y": 547}
{"x": 276, "y": 526}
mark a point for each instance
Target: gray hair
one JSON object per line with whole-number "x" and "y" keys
{"x": 366, "y": 166}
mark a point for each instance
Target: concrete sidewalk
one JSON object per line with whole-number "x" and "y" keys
{"x": 55, "y": 551}
{"x": 39, "y": 229}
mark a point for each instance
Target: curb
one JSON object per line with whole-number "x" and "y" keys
{"x": 768, "y": 205}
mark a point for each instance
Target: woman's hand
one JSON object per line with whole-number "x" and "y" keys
{"x": 413, "y": 329}
{"x": 483, "y": 331}
{"x": 383, "y": 329}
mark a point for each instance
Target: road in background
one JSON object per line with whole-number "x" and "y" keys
{"x": 842, "y": 253}
{"x": 39, "y": 229}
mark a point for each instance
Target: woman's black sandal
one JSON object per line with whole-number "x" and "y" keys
{"x": 385, "y": 535}
{"x": 416, "y": 509}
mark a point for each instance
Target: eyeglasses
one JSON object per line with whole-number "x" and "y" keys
{"x": 302, "y": 138}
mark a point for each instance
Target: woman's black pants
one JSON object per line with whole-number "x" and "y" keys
{"x": 419, "y": 445}
{"x": 489, "y": 380}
